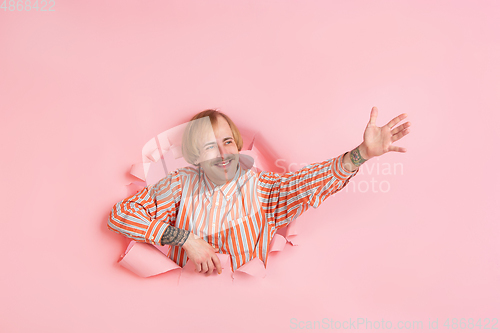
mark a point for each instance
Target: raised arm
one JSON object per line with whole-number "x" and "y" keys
{"x": 286, "y": 196}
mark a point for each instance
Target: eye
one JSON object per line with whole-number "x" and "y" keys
{"x": 209, "y": 147}
{"x": 229, "y": 141}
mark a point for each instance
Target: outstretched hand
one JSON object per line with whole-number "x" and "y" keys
{"x": 378, "y": 140}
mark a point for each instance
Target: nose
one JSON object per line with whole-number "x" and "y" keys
{"x": 222, "y": 151}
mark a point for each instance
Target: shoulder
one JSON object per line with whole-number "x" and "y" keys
{"x": 187, "y": 172}
{"x": 267, "y": 177}
{"x": 176, "y": 178}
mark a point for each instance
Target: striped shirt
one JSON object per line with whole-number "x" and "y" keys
{"x": 240, "y": 217}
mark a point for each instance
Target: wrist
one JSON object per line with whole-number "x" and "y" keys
{"x": 187, "y": 244}
{"x": 356, "y": 158}
{"x": 363, "y": 151}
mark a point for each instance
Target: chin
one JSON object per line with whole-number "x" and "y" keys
{"x": 221, "y": 173}
{"x": 224, "y": 176}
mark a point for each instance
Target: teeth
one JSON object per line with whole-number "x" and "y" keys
{"x": 224, "y": 164}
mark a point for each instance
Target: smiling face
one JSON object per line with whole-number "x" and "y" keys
{"x": 219, "y": 156}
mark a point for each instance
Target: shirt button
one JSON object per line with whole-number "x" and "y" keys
{"x": 216, "y": 203}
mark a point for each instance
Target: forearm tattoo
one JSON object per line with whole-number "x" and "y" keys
{"x": 174, "y": 236}
{"x": 356, "y": 157}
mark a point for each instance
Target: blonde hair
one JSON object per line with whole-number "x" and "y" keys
{"x": 190, "y": 150}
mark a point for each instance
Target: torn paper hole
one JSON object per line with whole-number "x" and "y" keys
{"x": 161, "y": 155}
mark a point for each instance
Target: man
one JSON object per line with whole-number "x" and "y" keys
{"x": 220, "y": 204}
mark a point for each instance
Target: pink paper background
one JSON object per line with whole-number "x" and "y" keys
{"x": 84, "y": 87}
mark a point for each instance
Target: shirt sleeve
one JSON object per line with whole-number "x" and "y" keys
{"x": 144, "y": 216}
{"x": 286, "y": 196}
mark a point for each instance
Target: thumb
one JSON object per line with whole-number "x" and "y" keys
{"x": 373, "y": 117}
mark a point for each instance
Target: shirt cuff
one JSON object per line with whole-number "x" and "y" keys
{"x": 338, "y": 169}
{"x": 155, "y": 231}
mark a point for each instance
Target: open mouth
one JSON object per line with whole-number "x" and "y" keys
{"x": 223, "y": 164}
